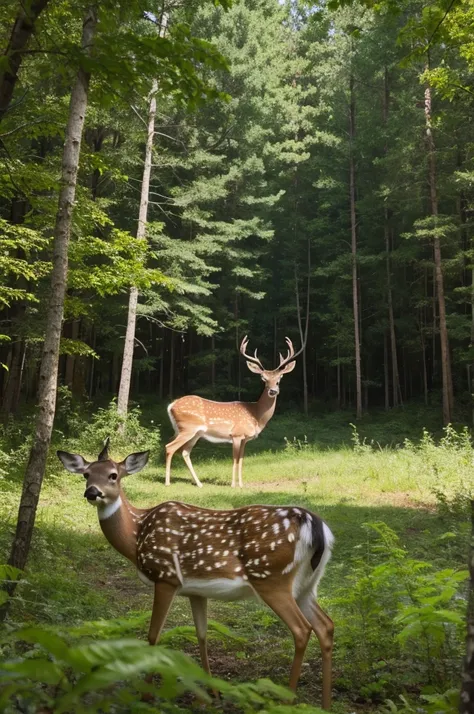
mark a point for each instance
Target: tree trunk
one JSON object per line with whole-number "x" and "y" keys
{"x": 304, "y": 333}
{"x": 355, "y": 292}
{"x": 213, "y": 365}
{"x": 127, "y": 363}
{"x": 162, "y": 366}
{"x": 396, "y": 390}
{"x": 50, "y": 357}
{"x": 171, "y": 374}
{"x": 385, "y": 374}
{"x": 23, "y": 28}
{"x": 448, "y": 398}
{"x": 466, "y": 700}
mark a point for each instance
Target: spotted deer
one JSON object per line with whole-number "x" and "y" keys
{"x": 234, "y": 423}
{"x": 277, "y": 554}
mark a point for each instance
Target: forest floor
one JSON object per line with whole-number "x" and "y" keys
{"x": 74, "y": 575}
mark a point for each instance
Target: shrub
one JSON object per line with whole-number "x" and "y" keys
{"x": 401, "y": 623}
{"x": 107, "y": 675}
{"x": 126, "y": 434}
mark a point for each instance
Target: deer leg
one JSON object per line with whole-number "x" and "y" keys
{"x": 284, "y": 605}
{"x": 199, "y": 610}
{"x": 241, "y": 461}
{"x": 323, "y": 628}
{"x": 186, "y": 454}
{"x": 164, "y": 594}
{"x": 180, "y": 440}
{"x": 236, "y": 443}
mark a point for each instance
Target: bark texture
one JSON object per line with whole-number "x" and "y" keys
{"x": 49, "y": 362}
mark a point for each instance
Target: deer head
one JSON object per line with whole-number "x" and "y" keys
{"x": 271, "y": 377}
{"x": 104, "y": 475}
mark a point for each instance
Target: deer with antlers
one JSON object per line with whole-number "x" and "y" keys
{"x": 275, "y": 553}
{"x": 234, "y": 423}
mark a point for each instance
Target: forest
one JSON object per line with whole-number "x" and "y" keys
{"x": 175, "y": 176}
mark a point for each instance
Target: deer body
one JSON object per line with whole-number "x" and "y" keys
{"x": 272, "y": 552}
{"x": 237, "y": 423}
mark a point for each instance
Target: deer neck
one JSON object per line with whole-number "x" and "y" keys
{"x": 265, "y": 408}
{"x": 120, "y": 522}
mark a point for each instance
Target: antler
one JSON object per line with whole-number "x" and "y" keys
{"x": 291, "y": 354}
{"x": 254, "y": 359}
{"x": 104, "y": 454}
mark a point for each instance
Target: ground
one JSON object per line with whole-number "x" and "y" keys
{"x": 74, "y": 575}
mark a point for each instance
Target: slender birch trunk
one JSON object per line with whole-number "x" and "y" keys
{"x": 127, "y": 362}
{"x": 49, "y": 362}
{"x": 304, "y": 333}
{"x": 355, "y": 291}
{"x": 448, "y": 397}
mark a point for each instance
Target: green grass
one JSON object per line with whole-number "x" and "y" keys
{"x": 74, "y": 575}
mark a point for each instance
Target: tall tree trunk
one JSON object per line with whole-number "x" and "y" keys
{"x": 127, "y": 362}
{"x": 385, "y": 374}
{"x": 22, "y": 30}
{"x": 171, "y": 374}
{"x": 448, "y": 398}
{"x": 304, "y": 333}
{"x": 162, "y": 366}
{"x": 396, "y": 390}
{"x": 50, "y": 357}
{"x": 355, "y": 291}
{"x": 213, "y": 365}
{"x": 339, "y": 400}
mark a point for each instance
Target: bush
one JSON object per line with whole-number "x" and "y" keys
{"x": 54, "y": 673}
{"x": 126, "y": 434}
{"x": 401, "y": 623}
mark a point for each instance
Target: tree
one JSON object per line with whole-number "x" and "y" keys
{"x": 22, "y": 30}
{"x": 49, "y": 362}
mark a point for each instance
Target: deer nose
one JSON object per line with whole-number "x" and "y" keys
{"x": 92, "y": 493}
{"x": 273, "y": 392}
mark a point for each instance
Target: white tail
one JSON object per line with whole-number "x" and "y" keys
{"x": 235, "y": 423}
{"x": 276, "y": 553}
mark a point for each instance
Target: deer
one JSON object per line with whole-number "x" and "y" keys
{"x": 236, "y": 423}
{"x": 275, "y": 553}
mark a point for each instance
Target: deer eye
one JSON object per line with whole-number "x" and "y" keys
{"x": 86, "y": 475}
{"x": 113, "y": 477}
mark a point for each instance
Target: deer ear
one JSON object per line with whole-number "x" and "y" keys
{"x": 74, "y": 463}
{"x": 289, "y": 368}
{"x": 254, "y": 368}
{"x": 135, "y": 462}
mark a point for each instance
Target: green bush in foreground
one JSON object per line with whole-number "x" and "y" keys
{"x": 401, "y": 623}
{"x": 107, "y": 675}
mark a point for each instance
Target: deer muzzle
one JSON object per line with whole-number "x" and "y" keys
{"x": 92, "y": 493}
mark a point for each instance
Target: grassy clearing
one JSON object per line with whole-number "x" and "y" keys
{"x": 74, "y": 575}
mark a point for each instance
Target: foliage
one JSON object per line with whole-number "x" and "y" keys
{"x": 127, "y": 433}
{"x": 392, "y": 603}
{"x": 88, "y": 676}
